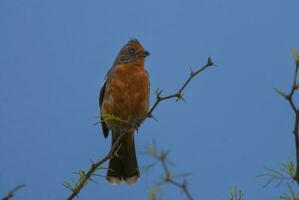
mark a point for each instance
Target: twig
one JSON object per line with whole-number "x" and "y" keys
{"x": 178, "y": 95}
{"x": 13, "y": 191}
{"x": 95, "y": 166}
{"x": 162, "y": 158}
{"x": 168, "y": 179}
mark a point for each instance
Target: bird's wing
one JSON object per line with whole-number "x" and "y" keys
{"x": 101, "y": 97}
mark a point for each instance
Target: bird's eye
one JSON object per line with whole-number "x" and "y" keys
{"x": 132, "y": 51}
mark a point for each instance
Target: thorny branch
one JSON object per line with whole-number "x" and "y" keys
{"x": 85, "y": 177}
{"x": 13, "y": 191}
{"x": 290, "y": 98}
{"x": 182, "y": 186}
{"x": 179, "y": 94}
{"x": 162, "y": 157}
{"x": 94, "y": 167}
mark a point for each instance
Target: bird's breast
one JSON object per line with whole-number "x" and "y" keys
{"x": 127, "y": 93}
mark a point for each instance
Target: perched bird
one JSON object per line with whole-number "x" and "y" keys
{"x": 125, "y": 94}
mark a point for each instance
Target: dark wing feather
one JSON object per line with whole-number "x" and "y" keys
{"x": 104, "y": 126}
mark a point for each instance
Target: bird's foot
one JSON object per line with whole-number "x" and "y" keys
{"x": 136, "y": 124}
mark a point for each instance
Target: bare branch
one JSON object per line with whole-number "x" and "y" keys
{"x": 290, "y": 98}
{"x": 179, "y": 94}
{"x": 162, "y": 157}
{"x": 13, "y": 191}
{"x": 85, "y": 177}
{"x": 183, "y": 186}
{"x": 94, "y": 167}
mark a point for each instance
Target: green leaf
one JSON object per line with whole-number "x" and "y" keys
{"x": 68, "y": 185}
{"x": 100, "y": 167}
{"x": 110, "y": 117}
{"x": 291, "y": 196}
{"x": 295, "y": 54}
{"x": 151, "y": 151}
{"x": 152, "y": 194}
{"x": 289, "y": 168}
{"x": 81, "y": 173}
{"x": 235, "y": 194}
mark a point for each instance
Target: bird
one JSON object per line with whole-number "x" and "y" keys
{"x": 125, "y": 94}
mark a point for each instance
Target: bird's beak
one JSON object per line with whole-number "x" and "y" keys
{"x": 144, "y": 53}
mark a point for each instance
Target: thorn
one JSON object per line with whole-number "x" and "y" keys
{"x": 210, "y": 62}
{"x": 182, "y": 99}
{"x": 93, "y": 181}
{"x": 179, "y": 97}
{"x": 136, "y": 124}
{"x": 81, "y": 173}
{"x": 158, "y": 93}
{"x": 98, "y": 122}
{"x": 281, "y": 93}
{"x": 191, "y": 71}
{"x": 154, "y": 118}
{"x": 91, "y": 162}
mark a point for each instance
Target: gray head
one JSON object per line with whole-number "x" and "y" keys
{"x": 131, "y": 52}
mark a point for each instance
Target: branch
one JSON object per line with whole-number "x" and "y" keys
{"x": 94, "y": 167}
{"x": 179, "y": 94}
{"x": 290, "y": 98}
{"x": 162, "y": 157}
{"x": 12, "y": 192}
{"x": 169, "y": 179}
{"x": 85, "y": 177}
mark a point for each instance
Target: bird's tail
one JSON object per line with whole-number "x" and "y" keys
{"x": 123, "y": 166}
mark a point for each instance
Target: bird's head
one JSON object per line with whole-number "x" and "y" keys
{"x": 132, "y": 51}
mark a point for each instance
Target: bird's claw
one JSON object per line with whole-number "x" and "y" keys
{"x": 136, "y": 124}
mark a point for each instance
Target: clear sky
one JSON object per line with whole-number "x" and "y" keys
{"x": 55, "y": 54}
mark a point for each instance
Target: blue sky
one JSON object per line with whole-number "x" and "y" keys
{"x": 55, "y": 54}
